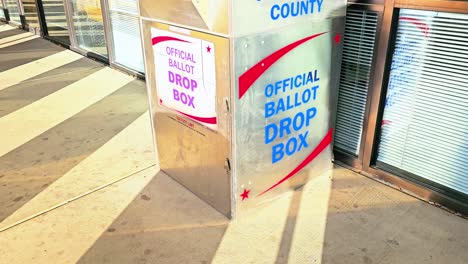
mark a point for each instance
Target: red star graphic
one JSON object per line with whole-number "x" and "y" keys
{"x": 245, "y": 194}
{"x": 337, "y": 38}
{"x": 208, "y": 49}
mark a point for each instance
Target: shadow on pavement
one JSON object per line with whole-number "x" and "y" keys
{"x": 27, "y": 92}
{"x": 368, "y": 222}
{"x": 32, "y": 167}
{"x": 164, "y": 224}
{"x": 29, "y": 51}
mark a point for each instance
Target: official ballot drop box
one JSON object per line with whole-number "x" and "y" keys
{"x": 243, "y": 94}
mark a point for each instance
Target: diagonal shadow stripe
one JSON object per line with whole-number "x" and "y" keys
{"x": 10, "y": 33}
{"x": 121, "y": 156}
{"x": 29, "y": 169}
{"x": 14, "y": 38}
{"x": 29, "y": 70}
{"x": 4, "y": 28}
{"x": 64, "y": 234}
{"x": 78, "y": 65}
{"x": 33, "y": 89}
{"x": 18, "y": 41}
{"x": 19, "y": 54}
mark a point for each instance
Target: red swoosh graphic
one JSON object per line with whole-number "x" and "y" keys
{"x": 320, "y": 147}
{"x": 421, "y": 25}
{"x": 207, "y": 120}
{"x": 157, "y": 40}
{"x": 250, "y": 76}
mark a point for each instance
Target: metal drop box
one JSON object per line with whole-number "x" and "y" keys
{"x": 243, "y": 94}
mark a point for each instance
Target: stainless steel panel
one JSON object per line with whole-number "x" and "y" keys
{"x": 264, "y": 64}
{"x": 194, "y": 155}
{"x": 249, "y": 17}
{"x": 208, "y": 15}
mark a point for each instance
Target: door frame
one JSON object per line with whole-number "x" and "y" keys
{"x": 5, "y": 11}
{"x": 110, "y": 38}
{"x": 73, "y": 43}
{"x": 43, "y": 24}
{"x": 20, "y": 13}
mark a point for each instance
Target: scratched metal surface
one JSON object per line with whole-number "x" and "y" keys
{"x": 192, "y": 154}
{"x": 196, "y": 156}
{"x": 254, "y": 170}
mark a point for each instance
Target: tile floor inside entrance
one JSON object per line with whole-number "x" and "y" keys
{"x": 79, "y": 183}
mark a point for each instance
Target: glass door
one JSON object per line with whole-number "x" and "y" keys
{"x": 88, "y": 27}
{"x": 14, "y": 11}
{"x": 2, "y": 14}
{"x": 54, "y": 20}
{"x": 424, "y": 136}
{"x": 30, "y": 13}
{"x": 125, "y": 35}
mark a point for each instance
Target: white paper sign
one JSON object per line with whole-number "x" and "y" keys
{"x": 185, "y": 75}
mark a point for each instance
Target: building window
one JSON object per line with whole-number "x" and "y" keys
{"x": 358, "y": 52}
{"x": 424, "y": 128}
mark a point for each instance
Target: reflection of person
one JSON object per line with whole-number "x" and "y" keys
{"x": 90, "y": 10}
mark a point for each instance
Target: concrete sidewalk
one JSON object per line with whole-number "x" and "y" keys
{"x": 79, "y": 183}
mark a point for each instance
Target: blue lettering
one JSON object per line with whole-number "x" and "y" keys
{"x": 296, "y": 12}
{"x": 319, "y": 2}
{"x": 310, "y": 78}
{"x": 298, "y": 78}
{"x": 291, "y": 146}
{"x": 277, "y": 153}
{"x": 290, "y": 83}
{"x": 284, "y": 126}
{"x": 270, "y": 137}
{"x": 277, "y": 86}
{"x": 294, "y": 9}
{"x": 310, "y": 114}
{"x": 269, "y": 109}
{"x": 296, "y": 100}
{"x": 306, "y": 96}
{"x": 298, "y": 125}
{"x": 285, "y": 84}
{"x": 272, "y": 14}
{"x": 284, "y": 10}
{"x": 269, "y": 90}
{"x": 314, "y": 89}
{"x": 291, "y": 101}
{"x": 302, "y": 138}
{"x": 304, "y": 8}
{"x": 280, "y": 107}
